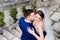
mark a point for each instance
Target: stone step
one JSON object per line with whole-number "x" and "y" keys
{"x": 15, "y": 33}
{"x": 53, "y": 7}
{"x": 56, "y": 26}
{"x": 56, "y": 2}
{"x": 15, "y": 38}
{"x": 17, "y": 27}
{"x": 56, "y": 34}
{"x": 19, "y": 14}
{"x": 8, "y": 35}
{"x": 55, "y": 16}
{"x": 57, "y": 38}
{"x": 2, "y": 38}
{"x": 50, "y": 12}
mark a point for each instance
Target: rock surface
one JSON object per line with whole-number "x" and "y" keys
{"x": 53, "y": 7}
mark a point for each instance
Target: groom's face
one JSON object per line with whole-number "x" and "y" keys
{"x": 32, "y": 16}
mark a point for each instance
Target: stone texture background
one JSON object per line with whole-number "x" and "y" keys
{"x": 11, "y": 30}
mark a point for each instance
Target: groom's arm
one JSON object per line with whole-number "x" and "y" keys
{"x": 23, "y": 26}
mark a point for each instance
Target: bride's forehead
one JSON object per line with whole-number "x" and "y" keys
{"x": 37, "y": 15}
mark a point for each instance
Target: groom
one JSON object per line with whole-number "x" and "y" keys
{"x": 25, "y": 22}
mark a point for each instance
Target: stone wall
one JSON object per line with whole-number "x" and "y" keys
{"x": 53, "y": 7}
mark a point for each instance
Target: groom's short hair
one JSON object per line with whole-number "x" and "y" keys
{"x": 28, "y": 12}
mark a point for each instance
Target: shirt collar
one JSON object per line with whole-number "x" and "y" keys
{"x": 27, "y": 21}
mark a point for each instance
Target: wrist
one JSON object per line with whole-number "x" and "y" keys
{"x": 33, "y": 33}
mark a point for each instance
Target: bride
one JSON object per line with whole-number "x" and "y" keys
{"x": 42, "y": 25}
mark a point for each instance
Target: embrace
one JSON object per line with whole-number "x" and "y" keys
{"x": 33, "y": 27}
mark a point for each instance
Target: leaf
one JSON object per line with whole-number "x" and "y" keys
{"x": 13, "y": 13}
{"x": 41, "y": 0}
{"x": 1, "y": 19}
{"x": 23, "y": 9}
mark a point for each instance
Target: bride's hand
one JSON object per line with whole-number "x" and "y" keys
{"x": 31, "y": 31}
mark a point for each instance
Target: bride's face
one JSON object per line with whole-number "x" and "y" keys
{"x": 37, "y": 17}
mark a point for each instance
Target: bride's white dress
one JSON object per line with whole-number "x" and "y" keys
{"x": 47, "y": 25}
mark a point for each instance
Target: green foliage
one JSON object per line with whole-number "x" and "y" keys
{"x": 23, "y": 9}
{"x": 1, "y": 19}
{"x": 35, "y": 5}
{"x": 41, "y": 0}
{"x": 13, "y": 13}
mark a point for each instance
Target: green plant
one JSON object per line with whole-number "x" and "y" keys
{"x": 41, "y": 0}
{"x": 13, "y": 13}
{"x": 1, "y": 19}
{"x": 34, "y": 8}
{"x": 23, "y": 9}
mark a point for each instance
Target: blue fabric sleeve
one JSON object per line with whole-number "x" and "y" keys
{"x": 23, "y": 25}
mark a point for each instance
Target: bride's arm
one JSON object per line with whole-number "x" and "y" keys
{"x": 41, "y": 29}
{"x": 33, "y": 33}
{"x": 37, "y": 37}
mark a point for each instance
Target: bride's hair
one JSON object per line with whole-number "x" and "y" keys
{"x": 40, "y": 13}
